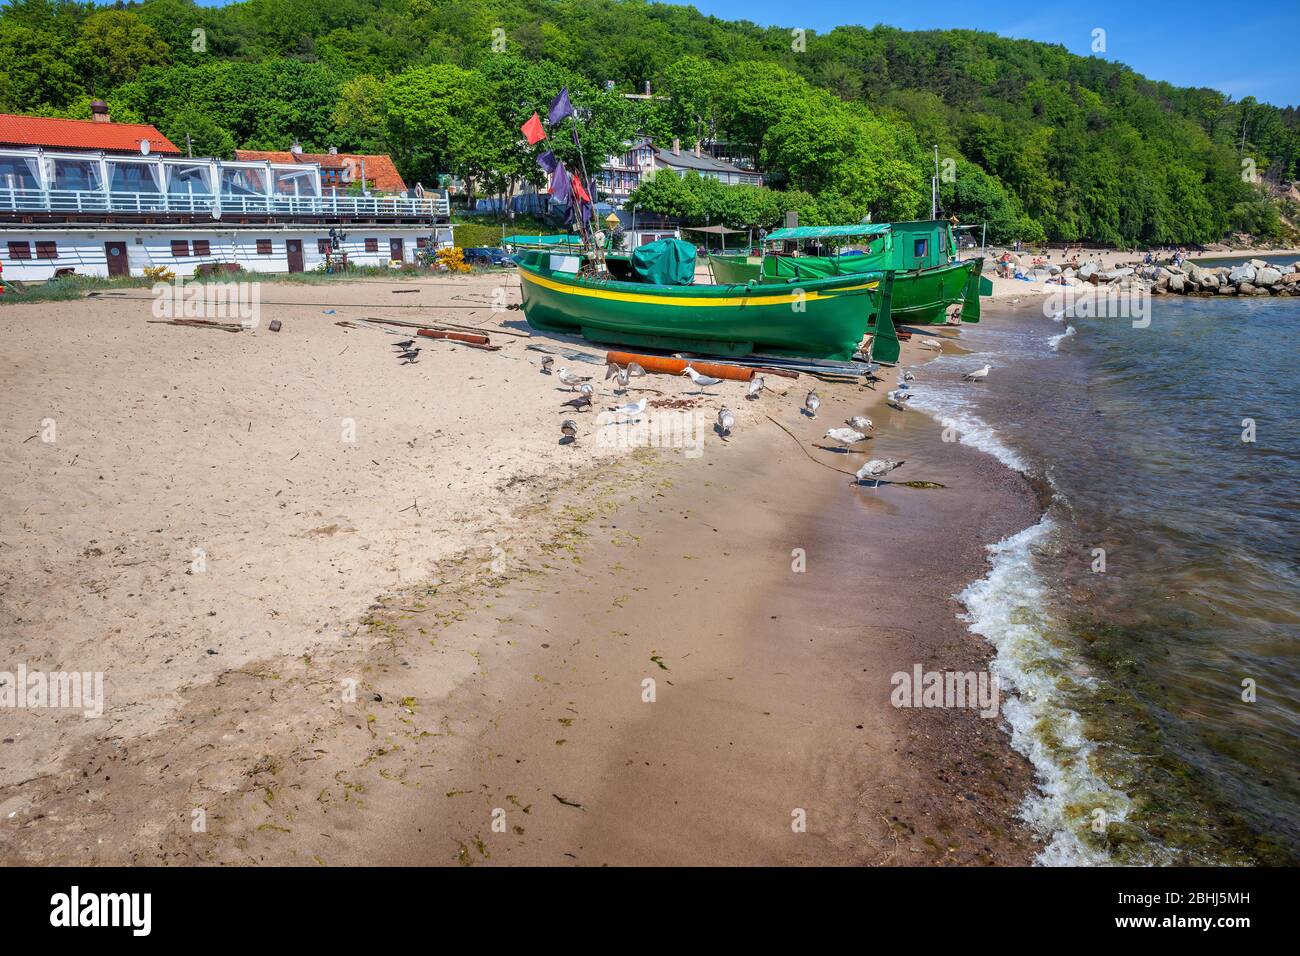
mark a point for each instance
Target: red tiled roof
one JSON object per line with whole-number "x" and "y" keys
{"x": 81, "y": 134}
{"x": 381, "y": 172}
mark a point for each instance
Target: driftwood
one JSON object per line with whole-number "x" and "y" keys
{"x": 200, "y": 324}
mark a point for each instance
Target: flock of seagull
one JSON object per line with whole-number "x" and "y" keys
{"x": 844, "y": 438}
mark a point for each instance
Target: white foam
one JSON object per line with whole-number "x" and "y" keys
{"x": 1056, "y": 340}
{"x": 1009, "y": 609}
{"x": 945, "y": 403}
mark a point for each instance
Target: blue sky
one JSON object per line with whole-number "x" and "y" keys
{"x": 1244, "y": 49}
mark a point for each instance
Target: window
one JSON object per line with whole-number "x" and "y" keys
{"x": 180, "y": 247}
{"x": 47, "y": 250}
{"x": 422, "y": 242}
{"x": 920, "y": 247}
{"x": 264, "y": 247}
{"x": 323, "y": 246}
{"x": 202, "y": 248}
{"x": 372, "y": 245}
{"x": 943, "y": 240}
{"x": 20, "y": 250}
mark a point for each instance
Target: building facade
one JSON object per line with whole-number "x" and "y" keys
{"x": 92, "y": 197}
{"x": 623, "y": 173}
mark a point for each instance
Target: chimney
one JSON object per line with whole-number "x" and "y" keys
{"x": 99, "y": 112}
{"x": 296, "y": 148}
{"x": 677, "y": 146}
{"x": 697, "y": 148}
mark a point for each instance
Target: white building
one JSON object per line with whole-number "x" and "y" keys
{"x": 623, "y": 173}
{"x": 92, "y": 197}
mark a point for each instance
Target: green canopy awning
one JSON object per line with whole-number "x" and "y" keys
{"x": 828, "y": 232}
{"x": 561, "y": 240}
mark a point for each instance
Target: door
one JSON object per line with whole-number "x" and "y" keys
{"x": 395, "y": 250}
{"x": 115, "y": 253}
{"x": 293, "y": 248}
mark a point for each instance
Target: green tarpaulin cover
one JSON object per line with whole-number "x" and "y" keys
{"x": 666, "y": 262}
{"x": 828, "y": 232}
{"x": 818, "y": 267}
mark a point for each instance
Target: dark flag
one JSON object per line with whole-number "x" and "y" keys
{"x": 560, "y": 183}
{"x": 548, "y": 162}
{"x": 560, "y": 107}
{"x": 533, "y": 131}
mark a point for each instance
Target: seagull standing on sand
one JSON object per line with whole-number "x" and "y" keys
{"x": 755, "y": 387}
{"x": 632, "y": 410}
{"x": 930, "y": 344}
{"x": 587, "y": 389}
{"x": 898, "y": 397}
{"x": 860, "y": 424}
{"x": 572, "y": 379}
{"x": 702, "y": 381}
{"x": 547, "y": 363}
{"x": 844, "y": 437}
{"x": 726, "y": 421}
{"x": 979, "y": 375}
{"x": 906, "y": 376}
{"x": 811, "y": 403}
{"x": 877, "y": 468}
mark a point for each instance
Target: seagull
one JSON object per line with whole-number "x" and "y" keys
{"x": 898, "y": 397}
{"x": 635, "y": 369}
{"x": 570, "y": 430}
{"x": 632, "y": 410}
{"x": 844, "y": 437}
{"x": 811, "y": 403}
{"x": 858, "y": 423}
{"x": 571, "y": 379}
{"x": 726, "y": 421}
{"x": 579, "y": 404}
{"x": 621, "y": 375}
{"x": 978, "y": 375}
{"x": 877, "y": 468}
{"x": 930, "y": 344}
{"x": 587, "y": 389}
{"x": 547, "y": 363}
{"x": 755, "y": 387}
{"x": 906, "y": 376}
{"x": 701, "y": 381}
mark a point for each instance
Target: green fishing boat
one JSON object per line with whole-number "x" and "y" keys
{"x": 929, "y": 279}
{"x": 649, "y": 300}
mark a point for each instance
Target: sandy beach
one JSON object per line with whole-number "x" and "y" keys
{"x": 429, "y": 644}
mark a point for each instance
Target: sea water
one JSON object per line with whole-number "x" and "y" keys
{"x": 1150, "y": 622}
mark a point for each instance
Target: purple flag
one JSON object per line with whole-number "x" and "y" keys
{"x": 548, "y": 162}
{"x": 560, "y": 188}
{"x": 560, "y": 107}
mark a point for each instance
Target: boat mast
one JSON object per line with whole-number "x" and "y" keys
{"x": 934, "y": 186}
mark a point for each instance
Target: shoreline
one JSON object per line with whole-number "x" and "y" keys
{"x": 479, "y": 678}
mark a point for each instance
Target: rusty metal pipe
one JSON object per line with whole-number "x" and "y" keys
{"x": 671, "y": 366}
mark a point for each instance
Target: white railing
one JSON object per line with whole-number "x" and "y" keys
{"x": 78, "y": 200}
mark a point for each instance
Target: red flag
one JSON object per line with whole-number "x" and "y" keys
{"x": 533, "y": 130}
{"x": 578, "y": 190}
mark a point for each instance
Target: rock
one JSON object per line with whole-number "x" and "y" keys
{"x": 1227, "y": 289}
{"x": 1258, "y": 264}
{"x": 1208, "y": 280}
{"x": 1290, "y": 277}
{"x": 1246, "y": 288}
{"x": 1117, "y": 274}
{"x": 1088, "y": 270}
{"x": 1241, "y": 274}
{"x": 1162, "y": 282}
{"x": 1267, "y": 276}
{"x": 1177, "y": 282}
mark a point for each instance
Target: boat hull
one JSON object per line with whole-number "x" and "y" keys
{"x": 825, "y": 318}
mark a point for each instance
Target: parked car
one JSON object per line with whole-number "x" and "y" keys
{"x": 487, "y": 256}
